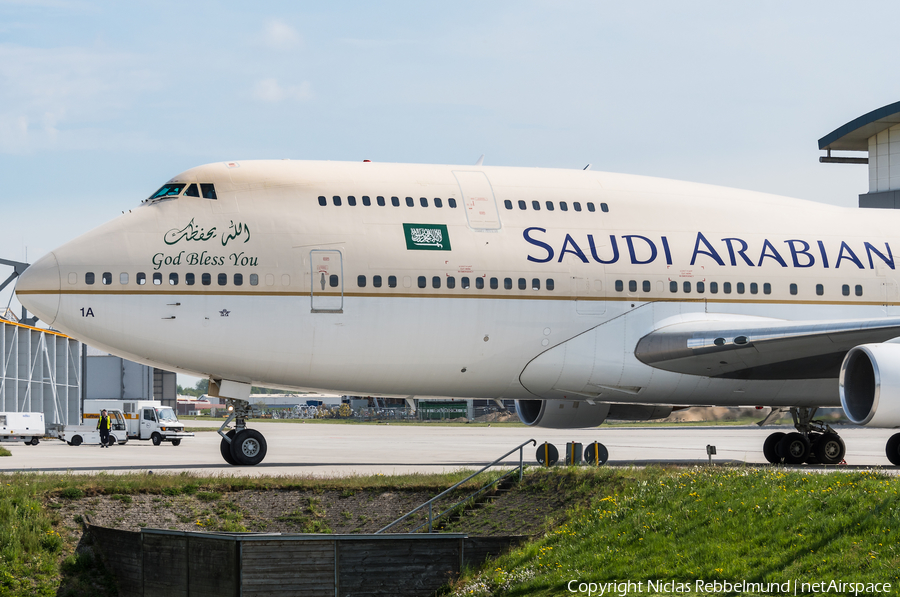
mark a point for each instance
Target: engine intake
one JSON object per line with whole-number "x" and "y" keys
{"x": 870, "y": 385}
{"x": 574, "y": 414}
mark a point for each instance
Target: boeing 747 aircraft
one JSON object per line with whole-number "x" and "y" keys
{"x": 584, "y": 296}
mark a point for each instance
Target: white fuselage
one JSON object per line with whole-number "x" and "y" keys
{"x": 308, "y": 314}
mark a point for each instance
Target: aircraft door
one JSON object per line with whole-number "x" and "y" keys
{"x": 478, "y": 199}
{"x": 589, "y": 295}
{"x": 327, "y": 289}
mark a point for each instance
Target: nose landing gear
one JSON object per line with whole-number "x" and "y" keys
{"x": 241, "y": 446}
{"x": 814, "y": 442}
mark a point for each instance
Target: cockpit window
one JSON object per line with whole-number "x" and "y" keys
{"x": 169, "y": 190}
{"x": 208, "y": 191}
{"x": 192, "y": 191}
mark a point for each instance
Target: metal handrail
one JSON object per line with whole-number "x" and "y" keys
{"x": 430, "y": 503}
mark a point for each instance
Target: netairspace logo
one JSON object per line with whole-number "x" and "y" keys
{"x": 791, "y": 587}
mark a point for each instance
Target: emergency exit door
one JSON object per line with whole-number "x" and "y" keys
{"x": 327, "y": 289}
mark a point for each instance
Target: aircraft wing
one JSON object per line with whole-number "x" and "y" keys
{"x": 759, "y": 350}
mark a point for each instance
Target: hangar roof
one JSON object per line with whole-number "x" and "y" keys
{"x": 854, "y": 136}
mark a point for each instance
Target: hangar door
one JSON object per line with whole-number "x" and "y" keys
{"x": 327, "y": 289}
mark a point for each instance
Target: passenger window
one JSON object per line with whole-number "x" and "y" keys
{"x": 687, "y": 287}
{"x": 410, "y": 202}
{"x": 820, "y": 289}
{"x": 208, "y": 190}
{"x": 422, "y": 282}
{"x": 740, "y": 288}
{"x": 89, "y": 278}
{"x": 754, "y": 288}
{"x": 714, "y": 287}
{"x": 604, "y": 208}
{"x": 845, "y": 290}
{"x": 333, "y": 280}
{"x": 376, "y": 281}
{"x": 395, "y": 201}
{"x": 701, "y": 287}
{"x": 392, "y": 281}
{"x": 173, "y": 278}
{"x": 536, "y": 205}
{"x": 366, "y": 201}
{"x": 222, "y": 279}
{"x": 858, "y": 290}
{"x": 464, "y": 282}
{"x": 479, "y": 283}
{"x": 206, "y": 279}
{"x": 192, "y": 191}
{"x": 435, "y": 281}
{"x": 563, "y": 206}
{"x": 494, "y": 283}
{"x": 522, "y": 205}
{"x": 646, "y": 285}
{"x": 361, "y": 281}
{"x": 590, "y": 207}
{"x": 336, "y": 200}
{"x": 451, "y": 282}
{"x": 767, "y": 288}
{"x": 351, "y": 200}
{"x": 523, "y": 284}
{"x": 380, "y": 201}
{"x": 189, "y": 279}
{"x": 550, "y": 284}
{"x": 254, "y": 279}
{"x": 576, "y": 206}
{"x": 726, "y": 287}
{"x": 451, "y": 202}
{"x": 123, "y": 278}
{"x": 157, "y": 279}
{"x": 535, "y": 283}
{"x": 141, "y": 278}
{"x": 507, "y": 204}
{"x": 423, "y": 201}
{"x": 507, "y": 283}
{"x": 323, "y": 201}
{"x": 106, "y": 279}
{"x": 549, "y": 205}
{"x": 632, "y": 285}
{"x": 439, "y": 203}
{"x": 673, "y": 286}
{"x": 793, "y": 289}
{"x": 238, "y": 279}
{"x": 620, "y": 286}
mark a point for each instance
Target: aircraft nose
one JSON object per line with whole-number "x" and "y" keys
{"x": 38, "y": 288}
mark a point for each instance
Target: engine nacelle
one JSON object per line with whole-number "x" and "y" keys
{"x": 870, "y": 385}
{"x": 574, "y": 414}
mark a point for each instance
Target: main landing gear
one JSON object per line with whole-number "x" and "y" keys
{"x": 241, "y": 446}
{"x": 814, "y": 442}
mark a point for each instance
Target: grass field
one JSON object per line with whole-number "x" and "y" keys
{"x": 5, "y": 452}
{"x": 711, "y": 524}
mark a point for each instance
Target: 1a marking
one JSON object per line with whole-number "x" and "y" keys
{"x": 87, "y": 312}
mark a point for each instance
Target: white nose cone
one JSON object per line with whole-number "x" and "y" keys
{"x": 38, "y": 288}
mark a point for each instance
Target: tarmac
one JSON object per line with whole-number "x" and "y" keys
{"x": 334, "y": 450}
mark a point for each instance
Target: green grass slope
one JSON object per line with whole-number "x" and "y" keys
{"x": 712, "y": 524}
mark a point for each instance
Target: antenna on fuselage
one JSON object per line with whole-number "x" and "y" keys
{"x": 588, "y": 167}
{"x": 480, "y": 160}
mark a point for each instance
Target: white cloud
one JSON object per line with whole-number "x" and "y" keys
{"x": 278, "y": 35}
{"x": 271, "y": 91}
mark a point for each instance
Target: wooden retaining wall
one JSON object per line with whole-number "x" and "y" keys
{"x": 192, "y": 564}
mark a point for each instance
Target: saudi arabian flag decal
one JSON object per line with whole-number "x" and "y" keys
{"x": 426, "y": 237}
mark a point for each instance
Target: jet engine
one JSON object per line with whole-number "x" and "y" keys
{"x": 574, "y": 414}
{"x": 870, "y": 385}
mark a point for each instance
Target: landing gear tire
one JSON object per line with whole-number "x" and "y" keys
{"x": 893, "y": 449}
{"x": 770, "y": 447}
{"x": 248, "y": 447}
{"x": 794, "y": 448}
{"x": 225, "y": 449}
{"x": 156, "y": 438}
{"x": 176, "y": 442}
{"x": 829, "y": 448}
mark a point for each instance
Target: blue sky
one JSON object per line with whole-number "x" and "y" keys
{"x": 102, "y": 102}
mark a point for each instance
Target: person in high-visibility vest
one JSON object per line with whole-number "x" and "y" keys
{"x": 104, "y": 426}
